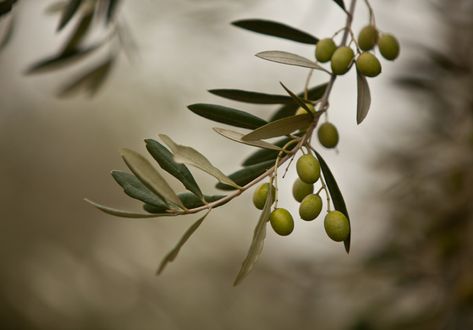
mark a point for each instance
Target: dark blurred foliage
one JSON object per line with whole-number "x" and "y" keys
{"x": 427, "y": 256}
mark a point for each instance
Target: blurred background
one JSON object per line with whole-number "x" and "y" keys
{"x": 406, "y": 174}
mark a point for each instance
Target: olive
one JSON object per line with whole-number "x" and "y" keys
{"x": 301, "y": 189}
{"x": 328, "y": 135}
{"x": 388, "y": 46}
{"x": 342, "y": 60}
{"x": 324, "y": 50}
{"x": 310, "y": 207}
{"x": 281, "y": 221}
{"x": 302, "y": 111}
{"x": 368, "y": 65}
{"x": 367, "y": 38}
{"x": 337, "y": 226}
{"x": 308, "y": 168}
{"x": 261, "y": 194}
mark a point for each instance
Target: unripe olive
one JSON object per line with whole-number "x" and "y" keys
{"x": 367, "y": 38}
{"x": 388, "y": 46}
{"x": 308, "y": 168}
{"x": 281, "y": 221}
{"x": 324, "y": 50}
{"x": 328, "y": 135}
{"x": 337, "y": 226}
{"x": 341, "y": 60}
{"x": 260, "y": 195}
{"x": 310, "y": 207}
{"x": 368, "y": 64}
{"x": 300, "y": 189}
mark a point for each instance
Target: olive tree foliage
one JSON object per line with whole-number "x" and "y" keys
{"x": 298, "y": 117}
{"x": 293, "y": 124}
{"x": 87, "y": 16}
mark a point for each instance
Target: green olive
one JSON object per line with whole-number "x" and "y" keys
{"x": 388, "y": 46}
{"x": 337, "y": 226}
{"x": 310, "y": 207}
{"x": 260, "y": 195}
{"x": 328, "y": 135}
{"x": 282, "y": 221}
{"x": 342, "y": 60}
{"x": 367, "y": 38}
{"x": 324, "y": 50}
{"x": 308, "y": 168}
{"x": 368, "y": 65}
{"x": 301, "y": 189}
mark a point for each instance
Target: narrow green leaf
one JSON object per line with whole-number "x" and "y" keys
{"x": 137, "y": 190}
{"x": 6, "y": 6}
{"x": 314, "y": 93}
{"x": 257, "y": 243}
{"x": 250, "y": 97}
{"x": 335, "y": 194}
{"x": 280, "y": 127}
{"x": 289, "y": 59}
{"x": 227, "y": 115}
{"x": 56, "y": 7}
{"x": 59, "y": 61}
{"x": 7, "y": 33}
{"x": 276, "y": 29}
{"x": 79, "y": 32}
{"x": 91, "y": 81}
{"x": 237, "y": 137}
{"x": 174, "y": 252}
{"x": 188, "y": 155}
{"x": 189, "y": 200}
{"x": 112, "y": 9}
{"x": 265, "y": 154}
{"x": 341, "y": 3}
{"x": 298, "y": 100}
{"x": 123, "y": 214}
{"x": 364, "y": 98}
{"x": 165, "y": 159}
{"x": 150, "y": 177}
{"x": 247, "y": 174}
{"x": 69, "y": 11}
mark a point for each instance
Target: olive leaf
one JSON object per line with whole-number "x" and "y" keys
{"x": 289, "y": 59}
{"x": 79, "y": 32}
{"x": 180, "y": 171}
{"x": 247, "y": 174}
{"x": 276, "y": 29}
{"x": 227, "y": 115}
{"x": 237, "y": 137}
{"x": 190, "y": 156}
{"x": 171, "y": 256}
{"x": 150, "y": 177}
{"x": 61, "y": 60}
{"x": 112, "y": 9}
{"x": 134, "y": 188}
{"x": 341, "y": 3}
{"x": 364, "y": 97}
{"x": 189, "y": 200}
{"x": 280, "y": 127}
{"x": 250, "y": 97}
{"x": 257, "y": 243}
{"x": 91, "y": 81}
{"x": 56, "y": 7}
{"x": 68, "y": 12}
{"x": 6, "y": 35}
{"x": 335, "y": 194}
{"x": 266, "y": 154}
{"x": 297, "y": 99}
{"x": 289, "y": 109}
{"x": 123, "y": 214}
{"x": 6, "y": 6}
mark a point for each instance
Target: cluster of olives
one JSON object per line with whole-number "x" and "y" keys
{"x": 342, "y": 58}
{"x": 308, "y": 170}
